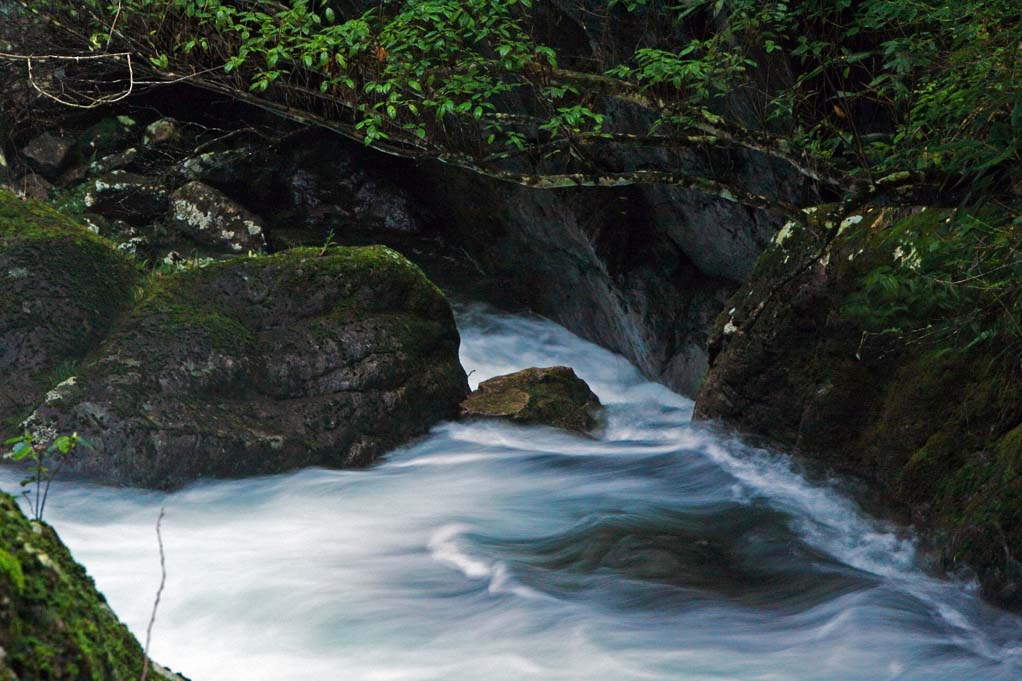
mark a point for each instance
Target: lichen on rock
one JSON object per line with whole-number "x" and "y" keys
{"x": 209, "y": 218}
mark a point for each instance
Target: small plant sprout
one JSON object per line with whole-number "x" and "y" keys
{"x": 38, "y": 452}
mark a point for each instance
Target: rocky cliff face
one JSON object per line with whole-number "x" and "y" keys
{"x": 641, "y": 271}
{"x": 941, "y": 433}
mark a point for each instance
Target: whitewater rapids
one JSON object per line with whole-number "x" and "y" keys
{"x": 658, "y": 550}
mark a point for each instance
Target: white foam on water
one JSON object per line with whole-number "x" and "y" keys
{"x": 498, "y": 552}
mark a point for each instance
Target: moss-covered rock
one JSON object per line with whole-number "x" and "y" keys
{"x": 257, "y": 365}
{"x": 54, "y": 625}
{"x": 162, "y": 131}
{"x": 61, "y": 287}
{"x": 553, "y": 396}
{"x": 940, "y": 431}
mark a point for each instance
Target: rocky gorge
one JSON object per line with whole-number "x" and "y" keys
{"x": 202, "y": 302}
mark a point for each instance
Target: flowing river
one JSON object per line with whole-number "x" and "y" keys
{"x": 660, "y": 549}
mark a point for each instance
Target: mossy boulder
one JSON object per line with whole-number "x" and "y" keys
{"x": 61, "y": 288}
{"x": 54, "y": 624}
{"x": 553, "y": 396}
{"x": 162, "y": 131}
{"x": 939, "y": 431}
{"x": 258, "y": 365}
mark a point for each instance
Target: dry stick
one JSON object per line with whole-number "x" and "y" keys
{"x": 159, "y": 593}
{"x": 95, "y": 103}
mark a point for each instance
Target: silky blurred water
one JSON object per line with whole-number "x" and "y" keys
{"x": 657, "y": 550}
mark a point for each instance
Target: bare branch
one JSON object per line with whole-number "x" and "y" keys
{"x": 159, "y": 594}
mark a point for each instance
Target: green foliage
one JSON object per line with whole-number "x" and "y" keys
{"x": 954, "y": 282}
{"x": 873, "y": 86}
{"x": 29, "y": 447}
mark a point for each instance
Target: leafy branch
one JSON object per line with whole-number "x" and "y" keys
{"x": 38, "y": 452}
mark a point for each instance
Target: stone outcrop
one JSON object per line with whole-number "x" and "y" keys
{"x": 941, "y": 433}
{"x": 552, "y": 396}
{"x": 265, "y": 364}
{"x": 643, "y": 272}
{"x": 54, "y": 624}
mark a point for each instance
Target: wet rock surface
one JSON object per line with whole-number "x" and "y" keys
{"x": 939, "y": 433}
{"x": 552, "y": 396}
{"x": 265, "y": 364}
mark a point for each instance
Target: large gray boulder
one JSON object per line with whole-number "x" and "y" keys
{"x": 264, "y": 364}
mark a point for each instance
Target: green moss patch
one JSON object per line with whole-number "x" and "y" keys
{"x": 54, "y": 625}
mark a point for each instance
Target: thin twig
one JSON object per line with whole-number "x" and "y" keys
{"x": 159, "y": 594}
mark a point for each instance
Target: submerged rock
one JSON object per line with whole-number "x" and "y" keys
{"x": 263, "y": 364}
{"x": 553, "y": 396}
{"x": 62, "y": 287}
{"x": 54, "y": 625}
{"x": 209, "y": 218}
